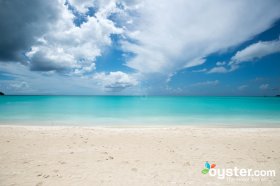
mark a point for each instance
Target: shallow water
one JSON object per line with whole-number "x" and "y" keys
{"x": 137, "y": 110}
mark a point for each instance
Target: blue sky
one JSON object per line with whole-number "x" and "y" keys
{"x": 140, "y": 47}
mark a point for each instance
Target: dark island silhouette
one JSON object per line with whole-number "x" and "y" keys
{"x": 2, "y": 94}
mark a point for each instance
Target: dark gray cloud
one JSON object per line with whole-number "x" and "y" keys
{"x": 21, "y": 22}
{"x": 40, "y": 62}
{"x": 42, "y": 35}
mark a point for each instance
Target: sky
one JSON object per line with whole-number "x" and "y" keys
{"x": 140, "y": 47}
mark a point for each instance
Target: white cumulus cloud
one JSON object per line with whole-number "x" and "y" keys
{"x": 69, "y": 47}
{"x": 115, "y": 81}
{"x": 249, "y": 54}
{"x": 171, "y": 35}
{"x": 218, "y": 69}
{"x": 256, "y": 51}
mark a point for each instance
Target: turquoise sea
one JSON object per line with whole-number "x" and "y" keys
{"x": 136, "y": 110}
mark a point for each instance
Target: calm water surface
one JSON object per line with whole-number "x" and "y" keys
{"x": 136, "y": 110}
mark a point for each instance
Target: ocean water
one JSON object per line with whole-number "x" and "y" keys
{"x": 136, "y": 110}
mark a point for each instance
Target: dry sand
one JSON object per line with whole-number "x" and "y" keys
{"x": 130, "y": 156}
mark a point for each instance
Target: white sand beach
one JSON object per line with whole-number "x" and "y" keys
{"x": 134, "y": 156}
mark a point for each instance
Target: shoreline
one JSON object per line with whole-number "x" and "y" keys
{"x": 146, "y": 126}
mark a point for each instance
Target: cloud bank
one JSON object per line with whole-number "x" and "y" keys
{"x": 171, "y": 35}
{"x": 160, "y": 37}
{"x": 46, "y": 38}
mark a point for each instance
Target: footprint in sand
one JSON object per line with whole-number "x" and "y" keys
{"x": 125, "y": 162}
{"x": 39, "y": 184}
{"x": 55, "y": 171}
{"x": 110, "y": 157}
{"x": 134, "y": 169}
{"x": 46, "y": 176}
{"x": 187, "y": 164}
{"x": 62, "y": 162}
